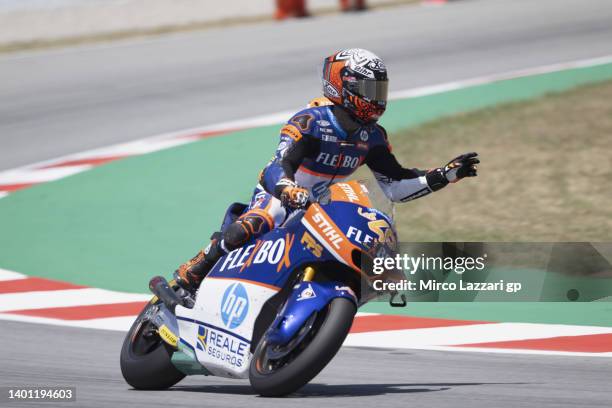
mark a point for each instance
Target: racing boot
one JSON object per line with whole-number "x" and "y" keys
{"x": 190, "y": 274}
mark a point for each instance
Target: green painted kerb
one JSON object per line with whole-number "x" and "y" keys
{"x": 119, "y": 224}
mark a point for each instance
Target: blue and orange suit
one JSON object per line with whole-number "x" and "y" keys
{"x": 323, "y": 145}
{"x": 318, "y": 146}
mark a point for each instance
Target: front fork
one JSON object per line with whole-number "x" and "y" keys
{"x": 308, "y": 297}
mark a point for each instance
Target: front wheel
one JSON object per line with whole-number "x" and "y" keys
{"x": 277, "y": 371}
{"x": 145, "y": 357}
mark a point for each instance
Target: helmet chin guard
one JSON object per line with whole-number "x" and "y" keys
{"x": 357, "y": 79}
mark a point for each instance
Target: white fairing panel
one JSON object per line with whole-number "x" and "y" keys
{"x": 220, "y": 326}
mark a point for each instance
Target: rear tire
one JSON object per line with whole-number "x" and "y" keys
{"x": 145, "y": 358}
{"x": 328, "y": 338}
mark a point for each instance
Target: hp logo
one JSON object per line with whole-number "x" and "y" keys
{"x": 234, "y": 305}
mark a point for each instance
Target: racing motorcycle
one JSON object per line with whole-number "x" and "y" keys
{"x": 275, "y": 311}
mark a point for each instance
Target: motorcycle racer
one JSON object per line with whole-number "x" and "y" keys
{"x": 325, "y": 144}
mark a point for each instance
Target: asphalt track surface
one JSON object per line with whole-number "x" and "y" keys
{"x": 88, "y": 360}
{"x": 63, "y": 101}
{"x": 58, "y": 102}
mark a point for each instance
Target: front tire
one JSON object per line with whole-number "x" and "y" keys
{"x": 145, "y": 357}
{"x": 317, "y": 349}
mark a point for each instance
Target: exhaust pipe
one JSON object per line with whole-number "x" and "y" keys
{"x": 160, "y": 288}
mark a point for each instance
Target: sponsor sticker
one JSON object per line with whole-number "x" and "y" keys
{"x": 222, "y": 346}
{"x": 329, "y": 138}
{"x": 273, "y": 252}
{"x": 307, "y": 293}
{"x": 350, "y": 193}
{"x": 383, "y": 231}
{"x": 366, "y": 213}
{"x": 328, "y": 230}
{"x": 377, "y": 65}
{"x": 330, "y": 90}
{"x": 234, "y": 305}
{"x": 338, "y": 160}
{"x": 359, "y": 236}
{"x": 311, "y": 244}
{"x": 363, "y": 71}
{"x": 167, "y": 336}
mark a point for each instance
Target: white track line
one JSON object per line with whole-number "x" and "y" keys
{"x": 514, "y": 351}
{"x": 134, "y": 148}
{"x": 468, "y": 334}
{"x": 65, "y": 298}
{"x": 6, "y": 275}
{"x": 40, "y": 175}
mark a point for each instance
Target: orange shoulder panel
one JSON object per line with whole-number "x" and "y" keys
{"x": 291, "y": 131}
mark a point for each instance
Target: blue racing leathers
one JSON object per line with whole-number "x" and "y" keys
{"x": 322, "y": 145}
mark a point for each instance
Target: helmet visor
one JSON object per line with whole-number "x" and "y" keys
{"x": 375, "y": 90}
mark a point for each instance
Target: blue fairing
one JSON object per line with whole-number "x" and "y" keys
{"x": 280, "y": 251}
{"x": 271, "y": 259}
{"x": 306, "y": 298}
{"x": 358, "y": 228}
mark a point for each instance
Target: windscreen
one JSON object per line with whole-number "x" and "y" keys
{"x": 378, "y": 198}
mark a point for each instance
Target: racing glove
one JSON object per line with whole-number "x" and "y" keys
{"x": 456, "y": 169}
{"x": 461, "y": 167}
{"x": 290, "y": 194}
